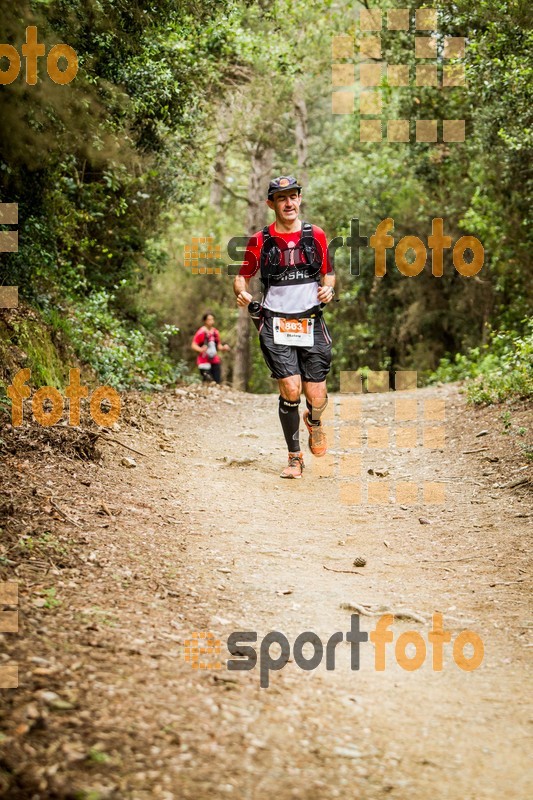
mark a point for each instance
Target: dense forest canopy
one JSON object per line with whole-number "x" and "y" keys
{"x": 179, "y": 115}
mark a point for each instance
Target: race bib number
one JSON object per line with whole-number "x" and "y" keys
{"x": 296, "y": 332}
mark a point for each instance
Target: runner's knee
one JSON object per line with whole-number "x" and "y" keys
{"x": 291, "y": 388}
{"x": 316, "y": 393}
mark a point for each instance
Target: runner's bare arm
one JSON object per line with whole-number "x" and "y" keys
{"x": 326, "y": 292}
{"x": 240, "y": 287}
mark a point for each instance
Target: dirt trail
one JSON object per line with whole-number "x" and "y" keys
{"x": 203, "y": 536}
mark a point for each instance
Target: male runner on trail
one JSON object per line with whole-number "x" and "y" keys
{"x": 297, "y": 277}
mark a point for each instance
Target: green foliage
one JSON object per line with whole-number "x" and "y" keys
{"x": 88, "y": 794}
{"x": 501, "y": 370}
{"x": 121, "y": 355}
{"x": 26, "y": 341}
{"x": 260, "y": 380}
{"x": 98, "y": 756}
{"x": 112, "y": 175}
{"x": 94, "y": 165}
{"x": 51, "y": 599}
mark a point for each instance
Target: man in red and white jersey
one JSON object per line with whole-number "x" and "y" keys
{"x": 297, "y": 277}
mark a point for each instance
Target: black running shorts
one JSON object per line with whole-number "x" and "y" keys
{"x": 283, "y": 360}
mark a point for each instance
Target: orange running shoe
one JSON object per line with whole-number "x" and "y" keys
{"x": 318, "y": 441}
{"x": 295, "y": 466}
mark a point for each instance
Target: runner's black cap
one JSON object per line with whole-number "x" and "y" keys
{"x": 281, "y": 184}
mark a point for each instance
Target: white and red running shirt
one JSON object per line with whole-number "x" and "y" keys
{"x": 294, "y": 291}
{"x": 204, "y": 336}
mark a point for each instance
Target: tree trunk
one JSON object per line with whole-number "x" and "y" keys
{"x": 219, "y": 166}
{"x": 260, "y": 169}
{"x": 300, "y": 135}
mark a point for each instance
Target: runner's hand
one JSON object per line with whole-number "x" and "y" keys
{"x": 326, "y": 294}
{"x": 244, "y": 298}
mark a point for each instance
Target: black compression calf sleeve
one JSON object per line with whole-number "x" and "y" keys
{"x": 316, "y": 411}
{"x": 289, "y": 415}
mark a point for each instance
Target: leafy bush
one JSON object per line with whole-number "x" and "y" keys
{"x": 498, "y": 371}
{"x": 122, "y": 356}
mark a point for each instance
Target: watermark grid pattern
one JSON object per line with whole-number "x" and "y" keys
{"x": 202, "y": 651}
{"x": 356, "y": 439}
{"x": 9, "y": 243}
{"x": 9, "y": 623}
{"x": 372, "y": 71}
{"x": 202, "y": 249}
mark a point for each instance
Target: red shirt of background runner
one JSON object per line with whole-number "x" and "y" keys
{"x": 203, "y": 336}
